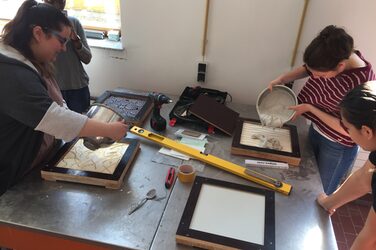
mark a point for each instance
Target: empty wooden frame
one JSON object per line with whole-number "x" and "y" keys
{"x": 247, "y": 143}
{"x": 224, "y": 215}
{"x": 103, "y": 167}
{"x": 132, "y": 107}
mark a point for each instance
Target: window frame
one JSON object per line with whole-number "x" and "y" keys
{"x": 104, "y": 29}
{"x": 93, "y": 42}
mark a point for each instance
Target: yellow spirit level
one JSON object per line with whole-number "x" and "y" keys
{"x": 248, "y": 174}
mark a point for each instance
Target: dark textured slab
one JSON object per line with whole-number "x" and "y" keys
{"x": 214, "y": 113}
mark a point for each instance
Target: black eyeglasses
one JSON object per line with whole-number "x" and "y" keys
{"x": 63, "y": 41}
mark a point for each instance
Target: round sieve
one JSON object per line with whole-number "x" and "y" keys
{"x": 272, "y": 106}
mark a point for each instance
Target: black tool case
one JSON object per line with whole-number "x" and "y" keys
{"x": 180, "y": 112}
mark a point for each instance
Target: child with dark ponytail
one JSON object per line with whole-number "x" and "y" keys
{"x": 358, "y": 112}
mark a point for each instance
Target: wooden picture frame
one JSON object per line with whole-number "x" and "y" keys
{"x": 290, "y": 154}
{"x": 188, "y": 233}
{"x": 112, "y": 180}
{"x": 141, "y": 105}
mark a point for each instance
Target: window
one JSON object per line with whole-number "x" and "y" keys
{"x": 8, "y": 8}
{"x": 96, "y": 14}
{"x": 93, "y": 14}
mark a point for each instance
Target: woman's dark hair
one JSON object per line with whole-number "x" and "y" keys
{"x": 358, "y": 107}
{"x": 18, "y": 32}
{"x": 328, "y": 49}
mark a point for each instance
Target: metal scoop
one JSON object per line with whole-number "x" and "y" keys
{"x": 105, "y": 114}
{"x": 149, "y": 196}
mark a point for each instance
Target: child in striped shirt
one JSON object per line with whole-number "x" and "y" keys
{"x": 333, "y": 68}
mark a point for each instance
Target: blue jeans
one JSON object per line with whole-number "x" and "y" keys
{"x": 77, "y": 99}
{"x": 334, "y": 160}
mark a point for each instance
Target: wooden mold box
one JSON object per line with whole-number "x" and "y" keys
{"x": 132, "y": 107}
{"x": 244, "y": 141}
{"x": 102, "y": 167}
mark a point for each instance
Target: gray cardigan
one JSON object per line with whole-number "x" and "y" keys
{"x": 70, "y": 73}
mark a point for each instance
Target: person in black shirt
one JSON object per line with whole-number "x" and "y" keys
{"x": 358, "y": 118}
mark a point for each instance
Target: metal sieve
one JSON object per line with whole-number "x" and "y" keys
{"x": 273, "y": 105}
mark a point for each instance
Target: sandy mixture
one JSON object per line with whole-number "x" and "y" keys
{"x": 273, "y": 109}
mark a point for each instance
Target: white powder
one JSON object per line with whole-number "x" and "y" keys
{"x": 273, "y": 108}
{"x": 273, "y": 121}
{"x": 265, "y": 142}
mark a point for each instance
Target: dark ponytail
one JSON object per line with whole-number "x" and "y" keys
{"x": 328, "y": 49}
{"x": 18, "y": 32}
{"x": 358, "y": 107}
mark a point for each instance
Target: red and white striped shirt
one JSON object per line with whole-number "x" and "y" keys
{"x": 327, "y": 93}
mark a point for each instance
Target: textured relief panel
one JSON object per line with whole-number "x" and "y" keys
{"x": 102, "y": 160}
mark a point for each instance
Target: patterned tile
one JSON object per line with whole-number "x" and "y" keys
{"x": 335, "y": 216}
{"x": 343, "y": 211}
{"x": 357, "y": 220}
{"x": 364, "y": 211}
{"x": 350, "y": 239}
{"x": 358, "y": 229}
{"x": 347, "y": 224}
{"x": 349, "y": 220}
{"x": 342, "y": 246}
{"x": 338, "y": 231}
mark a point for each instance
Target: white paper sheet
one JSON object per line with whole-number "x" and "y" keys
{"x": 231, "y": 213}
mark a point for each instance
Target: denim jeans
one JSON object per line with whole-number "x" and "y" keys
{"x": 334, "y": 160}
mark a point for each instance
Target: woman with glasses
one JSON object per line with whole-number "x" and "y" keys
{"x": 70, "y": 74}
{"x": 358, "y": 112}
{"x": 32, "y": 110}
{"x": 333, "y": 68}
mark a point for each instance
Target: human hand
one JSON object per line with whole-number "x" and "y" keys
{"x": 277, "y": 81}
{"x": 321, "y": 200}
{"x": 74, "y": 36}
{"x": 117, "y": 130}
{"x": 300, "y": 109}
{"x": 76, "y": 39}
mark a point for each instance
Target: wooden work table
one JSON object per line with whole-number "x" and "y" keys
{"x": 37, "y": 214}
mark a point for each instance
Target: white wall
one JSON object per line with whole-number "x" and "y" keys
{"x": 358, "y": 19}
{"x": 249, "y": 43}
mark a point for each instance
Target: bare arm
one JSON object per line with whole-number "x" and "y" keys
{"x": 292, "y": 75}
{"x": 366, "y": 238}
{"x": 114, "y": 130}
{"x": 329, "y": 120}
{"x": 358, "y": 184}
